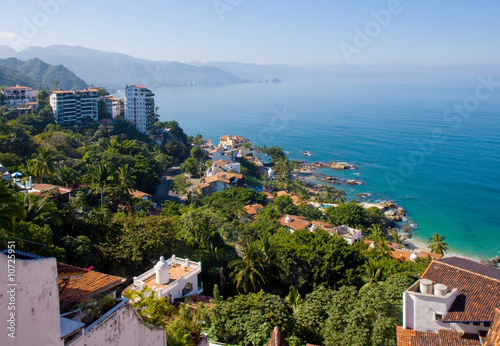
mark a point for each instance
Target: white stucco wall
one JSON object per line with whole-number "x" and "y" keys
{"x": 122, "y": 327}
{"x": 36, "y": 302}
{"x": 419, "y": 311}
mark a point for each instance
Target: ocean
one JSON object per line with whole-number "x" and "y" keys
{"x": 432, "y": 147}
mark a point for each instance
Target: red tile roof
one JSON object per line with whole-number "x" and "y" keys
{"x": 252, "y": 209}
{"x": 47, "y": 187}
{"x": 91, "y": 283}
{"x": 297, "y": 223}
{"x": 478, "y": 288}
{"x": 138, "y": 194}
{"x": 276, "y": 338}
{"x": 444, "y": 337}
{"x": 493, "y": 337}
{"x": 223, "y": 177}
{"x": 17, "y": 87}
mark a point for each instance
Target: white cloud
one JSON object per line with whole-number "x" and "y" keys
{"x": 5, "y": 34}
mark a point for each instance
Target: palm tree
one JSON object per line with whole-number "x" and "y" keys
{"x": 376, "y": 233}
{"x": 44, "y": 163}
{"x": 438, "y": 245}
{"x": 100, "y": 177}
{"x": 249, "y": 271}
{"x": 152, "y": 309}
{"x": 40, "y": 210}
{"x": 65, "y": 175}
{"x": 294, "y": 300}
{"x": 339, "y": 196}
{"x": 373, "y": 271}
{"x": 125, "y": 178}
{"x": 10, "y": 208}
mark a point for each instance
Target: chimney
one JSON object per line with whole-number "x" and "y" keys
{"x": 161, "y": 272}
{"x": 440, "y": 290}
{"x": 426, "y": 286}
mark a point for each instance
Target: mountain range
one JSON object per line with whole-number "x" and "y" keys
{"x": 37, "y": 74}
{"x": 116, "y": 70}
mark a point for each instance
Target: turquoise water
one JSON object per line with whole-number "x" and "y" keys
{"x": 408, "y": 149}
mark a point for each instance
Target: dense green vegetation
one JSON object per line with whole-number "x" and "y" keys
{"x": 39, "y": 75}
{"x": 312, "y": 285}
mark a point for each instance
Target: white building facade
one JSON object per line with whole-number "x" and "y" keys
{"x": 36, "y": 319}
{"x": 140, "y": 107}
{"x": 19, "y": 95}
{"x": 73, "y": 107}
{"x": 173, "y": 278}
{"x": 114, "y": 105}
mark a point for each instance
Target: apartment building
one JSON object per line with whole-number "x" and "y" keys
{"x": 140, "y": 107}
{"x": 114, "y": 105}
{"x": 19, "y": 95}
{"x": 72, "y": 107}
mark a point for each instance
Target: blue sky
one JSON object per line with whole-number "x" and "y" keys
{"x": 445, "y": 32}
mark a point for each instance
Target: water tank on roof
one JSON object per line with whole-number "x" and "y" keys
{"x": 161, "y": 272}
{"x": 288, "y": 219}
{"x": 413, "y": 257}
{"x": 440, "y": 290}
{"x": 426, "y": 286}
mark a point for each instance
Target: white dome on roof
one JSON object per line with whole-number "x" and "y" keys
{"x": 288, "y": 219}
{"x": 161, "y": 264}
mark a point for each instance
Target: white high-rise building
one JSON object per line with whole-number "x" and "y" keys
{"x": 140, "y": 107}
{"x": 114, "y": 105}
{"x": 72, "y": 107}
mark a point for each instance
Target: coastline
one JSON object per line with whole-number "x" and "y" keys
{"x": 312, "y": 179}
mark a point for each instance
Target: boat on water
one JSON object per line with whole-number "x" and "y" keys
{"x": 306, "y": 153}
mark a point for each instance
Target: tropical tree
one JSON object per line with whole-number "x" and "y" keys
{"x": 339, "y": 196}
{"x": 152, "y": 309}
{"x": 437, "y": 244}
{"x": 41, "y": 210}
{"x": 294, "y": 300}
{"x": 44, "y": 163}
{"x": 10, "y": 208}
{"x": 100, "y": 177}
{"x": 375, "y": 232}
{"x": 373, "y": 272}
{"x": 125, "y": 179}
{"x": 249, "y": 272}
{"x": 65, "y": 175}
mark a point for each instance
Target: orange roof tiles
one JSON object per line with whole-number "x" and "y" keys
{"x": 444, "y": 337}
{"x": 252, "y": 209}
{"x": 137, "y": 86}
{"x": 75, "y": 290}
{"x": 223, "y": 177}
{"x": 276, "y": 338}
{"x": 17, "y": 87}
{"x": 297, "y": 223}
{"x": 221, "y": 162}
{"x": 493, "y": 337}
{"x": 47, "y": 187}
{"x": 478, "y": 288}
{"x": 138, "y": 194}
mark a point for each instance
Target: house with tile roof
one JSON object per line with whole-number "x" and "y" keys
{"x": 19, "y": 95}
{"x": 294, "y": 222}
{"x": 251, "y": 211}
{"x": 455, "y": 302}
{"x": 221, "y": 166}
{"x": 39, "y": 320}
{"x": 218, "y": 182}
{"x": 232, "y": 142}
{"x": 172, "y": 279}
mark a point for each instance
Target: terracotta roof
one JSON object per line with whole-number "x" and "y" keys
{"x": 252, "y": 209}
{"x": 444, "y": 337}
{"x": 224, "y": 138}
{"x": 493, "y": 337}
{"x": 221, "y": 162}
{"x": 47, "y": 187}
{"x": 74, "y": 290}
{"x": 478, "y": 288}
{"x": 137, "y": 86}
{"x": 322, "y": 225}
{"x": 269, "y": 195}
{"x": 295, "y": 198}
{"x": 297, "y": 223}
{"x": 17, "y": 87}
{"x": 276, "y": 338}
{"x": 138, "y": 194}
{"x": 224, "y": 177}
{"x": 67, "y": 269}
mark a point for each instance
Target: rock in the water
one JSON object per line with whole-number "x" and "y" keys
{"x": 401, "y": 211}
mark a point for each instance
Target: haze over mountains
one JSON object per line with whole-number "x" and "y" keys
{"x": 115, "y": 70}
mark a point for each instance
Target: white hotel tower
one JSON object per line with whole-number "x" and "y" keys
{"x": 140, "y": 107}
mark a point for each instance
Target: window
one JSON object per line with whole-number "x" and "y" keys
{"x": 439, "y": 317}
{"x": 476, "y": 323}
{"x": 487, "y": 324}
